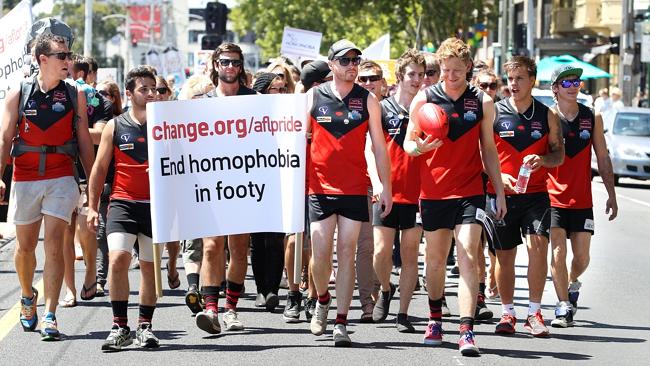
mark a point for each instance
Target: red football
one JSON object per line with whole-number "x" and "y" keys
{"x": 433, "y": 120}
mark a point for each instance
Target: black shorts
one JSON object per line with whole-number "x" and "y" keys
{"x": 129, "y": 217}
{"x": 446, "y": 214}
{"x": 322, "y": 206}
{"x": 528, "y": 213}
{"x": 401, "y": 217}
{"x": 573, "y": 220}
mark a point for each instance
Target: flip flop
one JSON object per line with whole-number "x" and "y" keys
{"x": 174, "y": 282}
{"x": 68, "y": 303}
{"x": 85, "y": 290}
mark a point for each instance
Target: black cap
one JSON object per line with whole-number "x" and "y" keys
{"x": 263, "y": 81}
{"x": 314, "y": 72}
{"x": 340, "y": 48}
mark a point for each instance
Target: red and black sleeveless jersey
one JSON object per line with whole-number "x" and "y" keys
{"x": 131, "y": 180}
{"x": 404, "y": 172}
{"x": 339, "y": 127}
{"x": 569, "y": 185}
{"x": 517, "y": 135}
{"x": 47, "y": 120}
{"x": 454, "y": 169}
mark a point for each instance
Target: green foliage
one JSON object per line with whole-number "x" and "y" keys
{"x": 74, "y": 14}
{"x": 362, "y": 22}
{"x": 7, "y": 5}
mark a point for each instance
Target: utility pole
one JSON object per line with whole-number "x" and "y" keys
{"x": 531, "y": 25}
{"x": 503, "y": 37}
{"x": 88, "y": 29}
{"x": 626, "y": 52}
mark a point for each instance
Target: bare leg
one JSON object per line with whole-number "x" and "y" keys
{"x": 53, "y": 271}
{"x": 408, "y": 277}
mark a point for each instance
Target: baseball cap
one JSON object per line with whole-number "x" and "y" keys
{"x": 313, "y": 72}
{"x": 340, "y": 48}
{"x": 563, "y": 71}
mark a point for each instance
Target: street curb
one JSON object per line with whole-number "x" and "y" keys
{"x": 6, "y": 241}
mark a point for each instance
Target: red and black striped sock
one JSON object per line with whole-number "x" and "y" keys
{"x": 466, "y": 324}
{"x": 435, "y": 309}
{"x": 211, "y": 297}
{"x": 233, "y": 291}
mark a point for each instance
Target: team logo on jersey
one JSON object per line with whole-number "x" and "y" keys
{"x": 394, "y": 122}
{"x": 400, "y": 116}
{"x": 585, "y": 124}
{"x": 125, "y": 137}
{"x": 323, "y": 109}
{"x": 536, "y": 125}
{"x": 356, "y": 104}
{"x": 124, "y": 147}
{"x": 393, "y": 131}
{"x": 389, "y": 115}
{"x": 469, "y": 116}
{"x": 26, "y": 127}
{"x": 43, "y": 106}
{"x": 585, "y": 135}
{"x": 536, "y": 135}
{"x": 31, "y": 104}
{"x": 354, "y": 115}
{"x": 338, "y": 113}
{"x": 59, "y": 96}
{"x": 470, "y": 104}
{"x": 346, "y": 121}
{"x": 323, "y": 119}
{"x": 58, "y": 107}
{"x": 505, "y": 124}
{"x": 521, "y": 128}
{"x": 506, "y": 134}
{"x": 30, "y": 112}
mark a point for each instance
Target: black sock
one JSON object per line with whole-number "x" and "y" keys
{"x": 435, "y": 311}
{"x": 481, "y": 288}
{"x": 401, "y": 316}
{"x": 120, "y": 309}
{"x": 146, "y": 314}
{"x": 193, "y": 279}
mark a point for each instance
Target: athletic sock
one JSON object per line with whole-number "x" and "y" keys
{"x": 435, "y": 309}
{"x": 233, "y": 291}
{"x": 146, "y": 314}
{"x": 324, "y": 299}
{"x": 481, "y": 288}
{"x": 211, "y": 297}
{"x": 341, "y": 319}
{"x": 466, "y": 324}
{"x": 120, "y": 316}
{"x": 508, "y": 309}
{"x": 193, "y": 279}
{"x": 533, "y": 307}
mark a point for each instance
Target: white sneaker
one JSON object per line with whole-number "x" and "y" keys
{"x": 319, "y": 319}
{"x": 341, "y": 337}
{"x": 231, "y": 321}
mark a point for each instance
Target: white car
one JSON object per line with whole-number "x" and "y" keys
{"x": 546, "y": 96}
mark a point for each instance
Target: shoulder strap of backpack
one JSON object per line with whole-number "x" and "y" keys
{"x": 26, "y": 88}
{"x": 72, "y": 91}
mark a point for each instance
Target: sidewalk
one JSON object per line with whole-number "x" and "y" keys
{"x": 8, "y": 232}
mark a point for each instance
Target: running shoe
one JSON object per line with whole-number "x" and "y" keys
{"x": 380, "y": 312}
{"x": 574, "y": 293}
{"x": 403, "y": 324}
{"x": 506, "y": 325}
{"x": 341, "y": 337}
{"x": 145, "y": 338}
{"x": 444, "y": 309}
{"x": 28, "y": 316}
{"x": 260, "y": 301}
{"x": 271, "y": 302}
{"x": 193, "y": 299}
{"x": 49, "y": 328}
{"x": 292, "y": 309}
{"x": 231, "y": 320}
{"x": 482, "y": 311}
{"x": 310, "y": 307}
{"x": 319, "y": 319}
{"x": 563, "y": 315}
{"x": 208, "y": 321}
{"x": 433, "y": 333}
{"x": 118, "y": 338}
{"x": 535, "y": 325}
{"x": 467, "y": 344}
{"x": 284, "y": 281}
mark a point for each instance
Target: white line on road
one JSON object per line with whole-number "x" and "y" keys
{"x": 618, "y": 195}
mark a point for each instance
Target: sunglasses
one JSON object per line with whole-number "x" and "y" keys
{"x": 371, "y": 78}
{"x": 430, "y": 73}
{"x": 61, "y": 55}
{"x": 103, "y": 93}
{"x": 224, "y": 62}
{"x": 279, "y": 74}
{"x": 279, "y": 90}
{"x": 162, "y": 90}
{"x": 345, "y": 61}
{"x": 484, "y": 86}
{"x": 566, "y": 84}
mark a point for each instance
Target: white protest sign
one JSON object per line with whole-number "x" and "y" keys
{"x": 14, "y": 29}
{"x": 201, "y": 61}
{"x": 173, "y": 64}
{"x": 300, "y": 42}
{"x": 228, "y": 165}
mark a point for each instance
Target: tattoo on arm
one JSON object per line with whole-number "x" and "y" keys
{"x": 555, "y": 155}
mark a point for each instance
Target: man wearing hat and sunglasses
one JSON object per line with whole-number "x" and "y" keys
{"x": 341, "y": 113}
{"x": 569, "y": 187}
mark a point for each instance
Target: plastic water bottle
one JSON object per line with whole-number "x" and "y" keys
{"x": 522, "y": 179}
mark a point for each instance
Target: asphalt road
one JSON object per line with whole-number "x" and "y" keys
{"x": 612, "y": 326}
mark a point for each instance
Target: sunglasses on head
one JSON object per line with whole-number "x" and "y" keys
{"x": 430, "y": 73}
{"x": 162, "y": 90}
{"x": 492, "y": 86}
{"x": 61, "y": 55}
{"x": 103, "y": 93}
{"x": 279, "y": 74}
{"x": 566, "y": 84}
{"x": 224, "y": 62}
{"x": 345, "y": 61}
{"x": 371, "y": 78}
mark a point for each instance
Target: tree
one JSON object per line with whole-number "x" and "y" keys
{"x": 7, "y": 5}
{"x": 361, "y": 21}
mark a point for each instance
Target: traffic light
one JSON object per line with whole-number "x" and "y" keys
{"x": 211, "y": 41}
{"x": 614, "y": 41}
{"x": 216, "y": 15}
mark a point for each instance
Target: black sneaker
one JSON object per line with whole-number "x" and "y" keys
{"x": 118, "y": 338}
{"x": 292, "y": 308}
{"x": 145, "y": 338}
{"x": 380, "y": 312}
{"x": 272, "y": 301}
{"x": 482, "y": 311}
{"x": 310, "y": 307}
{"x": 193, "y": 299}
{"x": 563, "y": 315}
{"x": 403, "y": 324}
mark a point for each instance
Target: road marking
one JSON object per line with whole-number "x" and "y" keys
{"x": 12, "y": 317}
{"x": 458, "y": 362}
{"x": 618, "y": 195}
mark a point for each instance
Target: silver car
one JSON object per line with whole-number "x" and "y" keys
{"x": 627, "y": 133}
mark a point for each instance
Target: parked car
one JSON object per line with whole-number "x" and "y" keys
{"x": 546, "y": 96}
{"x": 627, "y": 135}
